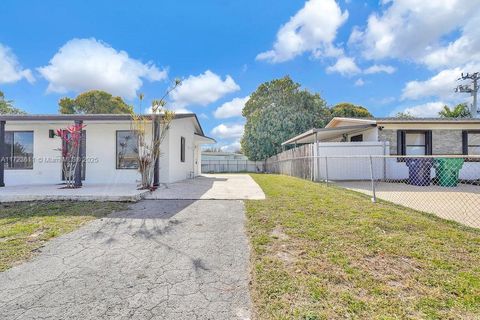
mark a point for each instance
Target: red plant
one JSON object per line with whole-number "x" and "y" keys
{"x": 71, "y": 140}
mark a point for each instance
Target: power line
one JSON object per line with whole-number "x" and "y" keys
{"x": 472, "y": 89}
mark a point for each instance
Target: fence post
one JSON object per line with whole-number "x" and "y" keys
{"x": 374, "y": 198}
{"x": 312, "y": 163}
{"x": 326, "y": 170}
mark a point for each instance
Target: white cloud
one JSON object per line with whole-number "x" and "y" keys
{"x": 10, "y": 69}
{"x": 359, "y": 83}
{"x": 202, "y": 90}
{"x": 345, "y": 66}
{"x": 232, "y": 147}
{"x": 228, "y": 131}
{"x": 85, "y": 64}
{"x": 425, "y": 110}
{"x": 312, "y": 29}
{"x": 440, "y": 85}
{"x": 231, "y": 108}
{"x": 377, "y": 68}
{"x": 422, "y": 31}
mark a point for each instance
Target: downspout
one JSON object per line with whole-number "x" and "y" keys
{"x": 2, "y": 156}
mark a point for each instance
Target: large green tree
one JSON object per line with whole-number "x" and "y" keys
{"x": 459, "y": 111}
{"x": 94, "y": 101}
{"x": 277, "y": 111}
{"x": 349, "y": 110}
{"x": 7, "y": 107}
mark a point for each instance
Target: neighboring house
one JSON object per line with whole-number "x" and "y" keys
{"x": 219, "y": 162}
{"x": 394, "y": 136}
{"x": 31, "y": 151}
{"x": 405, "y": 136}
{"x": 215, "y": 156}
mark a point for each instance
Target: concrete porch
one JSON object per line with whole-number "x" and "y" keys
{"x": 55, "y": 192}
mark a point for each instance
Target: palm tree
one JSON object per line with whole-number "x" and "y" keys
{"x": 459, "y": 111}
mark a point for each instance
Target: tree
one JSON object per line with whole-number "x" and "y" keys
{"x": 277, "y": 111}
{"x": 459, "y": 111}
{"x": 94, "y": 101}
{"x": 149, "y": 140}
{"x": 349, "y": 110}
{"x": 7, "y": 107}
{"x": 212, "y": 149}
{"x": 404, "y": 115}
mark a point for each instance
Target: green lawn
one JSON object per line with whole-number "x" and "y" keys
{"x": 327, "y": 253}
{"x": 25, "y": 227}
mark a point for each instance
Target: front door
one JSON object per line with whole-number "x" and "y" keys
{"x": 82, "y": 155}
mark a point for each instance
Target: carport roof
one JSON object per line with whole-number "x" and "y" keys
{"x": 313, "y": 135}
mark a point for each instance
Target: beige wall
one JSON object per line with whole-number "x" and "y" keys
{"x": 444, "y": 141}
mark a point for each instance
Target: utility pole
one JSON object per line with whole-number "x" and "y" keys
{"x": 472, "y": 89}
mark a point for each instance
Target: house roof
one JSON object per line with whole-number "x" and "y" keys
{"x": 313, "y": 135}
{"x": 90, "y": 117}
{"x": 204, "y": 139}
{"x": 353, "y": 125}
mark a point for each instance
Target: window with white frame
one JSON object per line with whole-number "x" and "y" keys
{"x": 471, "y": 143}
{"x": 414, "y": 143}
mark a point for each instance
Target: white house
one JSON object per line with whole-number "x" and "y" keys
{"x": 30, "y": 150}
{"x": 343, "y": 139}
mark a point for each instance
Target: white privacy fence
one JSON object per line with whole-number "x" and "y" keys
{"x": 232, "y": 166}
{"x": 448, "y": 186}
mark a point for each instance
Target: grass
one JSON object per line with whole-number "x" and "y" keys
{"x": 25, "y": 227}
{"x": 328, "y": 253}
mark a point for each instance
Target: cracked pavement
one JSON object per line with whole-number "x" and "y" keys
{"x": 161, "y": 259}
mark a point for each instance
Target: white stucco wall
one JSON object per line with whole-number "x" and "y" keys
{"x": 178, "y": 170}
{"x": 100, "y": 152}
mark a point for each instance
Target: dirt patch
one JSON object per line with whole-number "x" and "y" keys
{"x": 278, "y": 233}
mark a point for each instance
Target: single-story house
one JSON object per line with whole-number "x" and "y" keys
{"x": 350, "y": 137}
{"x": 30, "y": 150}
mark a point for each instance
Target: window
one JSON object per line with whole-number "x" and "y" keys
{"x": 127, "y": 150}
{"x": 182, "y": 149}
{"x": 412, "y": 143}
{"x": 471, "y": 143}
{"x": 415, "y": 144}
{"x": 357, "y": 138}
{"x": 18, "y": 149}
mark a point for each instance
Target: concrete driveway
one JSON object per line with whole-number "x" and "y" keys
{"x": 211, "y": 186}
{"x": 177, "y": 259}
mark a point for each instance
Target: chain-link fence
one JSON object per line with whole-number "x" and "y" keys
{"x": 447, "y": 186}
{"x": 232, "y": 166}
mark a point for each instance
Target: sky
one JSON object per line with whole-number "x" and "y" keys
{"x": 386, "y": 55}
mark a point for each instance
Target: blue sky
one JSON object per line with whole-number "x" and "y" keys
{"x": 388, "y": 56}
